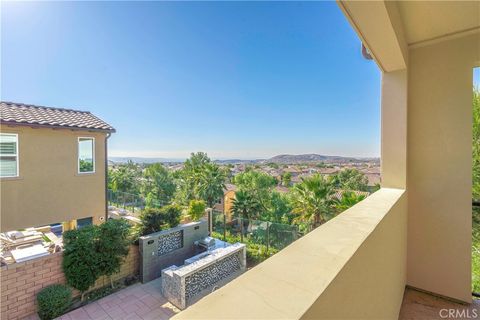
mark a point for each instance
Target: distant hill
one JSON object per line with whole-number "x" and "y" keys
{"x": 280, "y": 159}
{"x": 315, "y": 158}
{"x": 142, "y": 160}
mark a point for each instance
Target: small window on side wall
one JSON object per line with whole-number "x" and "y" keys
{"x": 86, "y": 155}
{"x": 8, "y": 155}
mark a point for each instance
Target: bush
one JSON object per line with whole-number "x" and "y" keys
{"x": 53, "y": 301}
{"x": 112, "y": 246}
{"x": 157, "y": 219}
{"x": 196, "y": 209}
{"x": 80, "y": 258}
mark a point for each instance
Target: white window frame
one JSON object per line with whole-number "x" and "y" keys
{"x": 78, "y": 155}
{"x": 17, "y": 154}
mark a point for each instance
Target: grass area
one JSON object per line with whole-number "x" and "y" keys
{"x": 476, "y": 250}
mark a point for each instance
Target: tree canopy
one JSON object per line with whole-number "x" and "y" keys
{"x": 312, "y": 199}
{"x": 350, "y": 179}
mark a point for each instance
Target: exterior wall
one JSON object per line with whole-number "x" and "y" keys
{"x": 49, "y": 188}
{"x": 394, "y": 129}
{"x": 353, "y": 266}
{"x": 162, "y": 249}
{"x": 440, "y": 166}
{"x": 21, "y": 282}
{"x": 228, "y": 203}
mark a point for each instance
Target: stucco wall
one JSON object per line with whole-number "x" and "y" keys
{"x": 352, "y": 267}
{"x": 440, "y": 166}
{"x": 49, "y": 189}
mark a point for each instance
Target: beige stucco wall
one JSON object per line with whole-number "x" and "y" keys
{"x": 49, "y": 189}
{"x": 394, "y": 129}
{"x": 352, "y": 267}
{"x": 440, "y": 166}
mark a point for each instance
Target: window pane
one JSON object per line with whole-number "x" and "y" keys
{"x": 85, "y": 155}
{"x": 8, "y": 144}
{"x": 8, "y": 166}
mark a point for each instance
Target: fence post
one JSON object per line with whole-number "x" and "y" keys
{"x": 268, "y": 236}
{"x": 224, "y": 227}
{"x": 241, "y": 229}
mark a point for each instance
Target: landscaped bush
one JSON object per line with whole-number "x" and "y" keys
{"x": 112, "y": 246}
{"x": 94, "y": 251}
{"x": 157, "y": 219}
{"x": 80, "y": 258}
{"x": 196, "y": 209}
{"x": 53, "y": 301}
{"x": 256, "y": 253}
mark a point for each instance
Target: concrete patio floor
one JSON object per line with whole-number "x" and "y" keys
{"x": 137, "y": 302}
{"x": 424, "y": 306}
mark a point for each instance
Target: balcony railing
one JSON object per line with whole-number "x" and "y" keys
{"x": 354, "y": 259}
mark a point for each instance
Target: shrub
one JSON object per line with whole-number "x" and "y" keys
{"x": 53, "y": 301}
{"x": 196, "y": 209}
{"x": 112, "y": 246}
{"x": 157, "y": 219}
{"x": 80, "y": 258}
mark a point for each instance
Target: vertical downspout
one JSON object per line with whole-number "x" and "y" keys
{"x": 106, "y": 175}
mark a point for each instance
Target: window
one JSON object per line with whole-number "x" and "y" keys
{"x": 86, "y": 155}
{"x": 8, "y": 155}
{"x": 84, "y": 222}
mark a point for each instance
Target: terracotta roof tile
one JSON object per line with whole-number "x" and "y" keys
{"x": 24, "y": 114}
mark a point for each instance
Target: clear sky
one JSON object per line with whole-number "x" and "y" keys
{"x": 237, "y": 79}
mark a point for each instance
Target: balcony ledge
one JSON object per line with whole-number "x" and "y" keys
{"x": 358, "y": 256}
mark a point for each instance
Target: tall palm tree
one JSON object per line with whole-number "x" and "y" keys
{"x": 312, "y": 200}
{"x": 211, "y": 183}
{"x": 245, "y": 205}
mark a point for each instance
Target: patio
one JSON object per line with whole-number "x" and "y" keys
{"x": 139, "y": 301}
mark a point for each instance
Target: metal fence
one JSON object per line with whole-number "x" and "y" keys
{"x": 273, "y": 236}
{"x": 130, "y": 201}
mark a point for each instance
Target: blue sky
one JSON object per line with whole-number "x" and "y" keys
{"x": 237, "y": 79}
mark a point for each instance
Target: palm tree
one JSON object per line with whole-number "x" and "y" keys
{"x": 312, "y": 199}
{"x": 211, "y": 183}
{"x": 347, "y": 200}
{"x": 245, "y": 205}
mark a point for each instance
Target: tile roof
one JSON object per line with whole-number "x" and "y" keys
{"x": 39, "y": 116}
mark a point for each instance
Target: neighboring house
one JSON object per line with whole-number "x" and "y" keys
{"x": 226, "y": 202}
{"x": 52, "y": 166}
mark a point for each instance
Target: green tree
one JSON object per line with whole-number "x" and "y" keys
{"x": 311, "y": 200}
{"x": 273, "y": 165}
{"x": 211, "y": 183}
{"x": 157, "y": 219}
{"x": 112, "y": 246}
{"x": 278, "y": 209}
{"x": 476, "y": 145}
{"x": 347, "y": 200}
{"x": 245, "y": 205}
{"x": 257, "y": 184}
{"x": 200, "y": 179}
{"x": 196, "y": 209}
{"x": 286, "y": 179}
{"x": 80, "y": 258}
{"x": 350, "y": 179}
{"x": 158, "y": 185}
{"x": 124, "y": 178}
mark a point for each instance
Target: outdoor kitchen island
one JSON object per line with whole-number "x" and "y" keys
{"x": 203, "y": 273}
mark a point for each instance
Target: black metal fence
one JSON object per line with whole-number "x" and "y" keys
{"x": 273, "y": 236}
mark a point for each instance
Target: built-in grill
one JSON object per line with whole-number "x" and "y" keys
{"x": 206, "y": 243}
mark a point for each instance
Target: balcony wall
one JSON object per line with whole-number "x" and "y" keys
{"x": 353, "y": 260}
